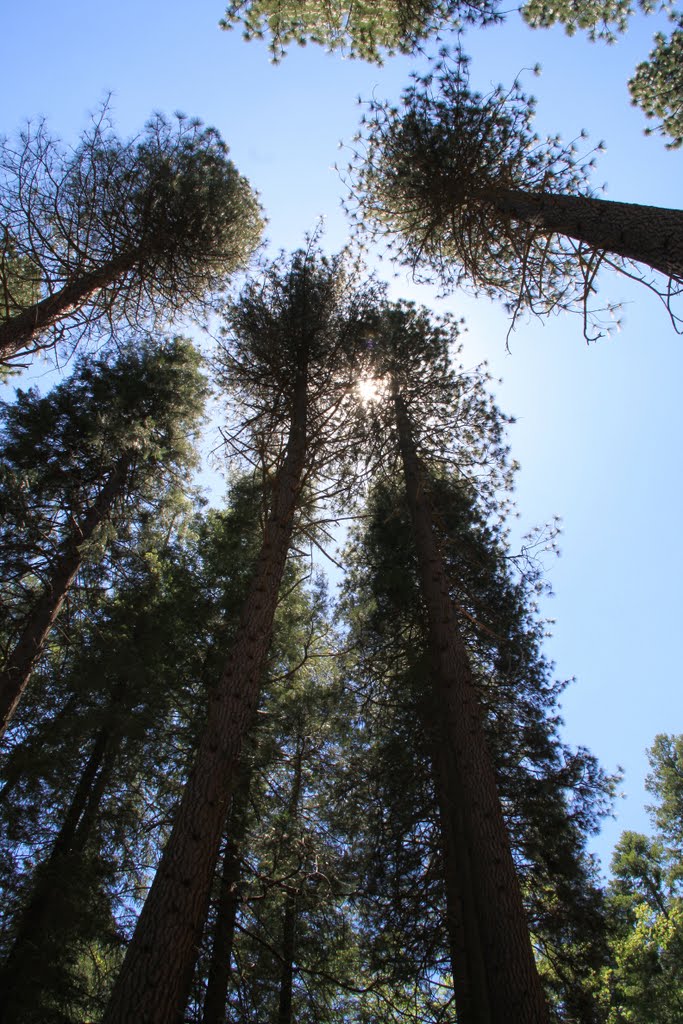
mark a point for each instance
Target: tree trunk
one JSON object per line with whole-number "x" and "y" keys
{"x": 215, "y": 1001}
{"x": 18, "y": 969}
{"x": 155, "y": 979}
{"x": 494, "y": 920}
{"x": 289, "y": 917}
{"x": 647, "y": 234}
{"x": 284, "y": 1012}
{"x": 19, "y": 330}
{"x": 468, "y": 963}
{"x": 75, "y": 830}
{"x": 17, "y": 670}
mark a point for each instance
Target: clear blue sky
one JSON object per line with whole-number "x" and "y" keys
{"x": 599, "y": 428}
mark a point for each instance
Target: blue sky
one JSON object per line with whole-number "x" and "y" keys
{"x": 599, "y": 427}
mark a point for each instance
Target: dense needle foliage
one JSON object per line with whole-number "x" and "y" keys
{"x": 115, "y": 234}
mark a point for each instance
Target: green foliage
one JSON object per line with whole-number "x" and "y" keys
{"x": 432, "y": 176}
{"x": 132, "y": 668}
{"x": 657, "y": 85}
{"x": 293, "y": 858}
{"x": 456, "y": 420}
{"x": 306, "y": 316}
{"x": 553, "y": 797}
{"x": 645, "y": 980}
{"x": 367, "y": 29}
{"x": 602, "y": 19}
{"x": 163, "y": 219}
{"x": 141, "y": 409}
{"x": 19, "y": 279}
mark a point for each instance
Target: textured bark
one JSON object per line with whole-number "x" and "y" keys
{"x": 19, "y": 330}
{"x": 468, "y": 965}
{"x": 218, "y": 979}
{"x": 18, "y": 667}
{"x": 647, "y": 234}
{"x": 494, "y": 921}
{"x": 155, "y": 979}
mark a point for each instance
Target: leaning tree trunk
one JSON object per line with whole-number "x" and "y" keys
{"x": 156, "y": 976}
{"x": 215, "y": 1001}
{"x": 647, "y": 234}
{"x": 17, "y": 670}
{"x": 495, "y": 922}
{"x": 19, "y": 330}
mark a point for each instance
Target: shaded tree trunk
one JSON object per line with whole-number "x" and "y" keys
{"x": 17, "y": 972}
{"x": 284, "y": 1012}
{"x": 468, "y": 963}
{"x": 215, "y": 1002}
{"x": 475, "y": 838}
{"x": 155, "y": 979}
{"x": 17, "y": 670}
{"x": 647, "y": 234}
{"x": 19, "y": 330}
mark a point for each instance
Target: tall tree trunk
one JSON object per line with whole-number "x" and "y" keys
{"x": 284, "y": 1012}
{"x": 215, "y": 1001}
{"x": 467, "y": 780}
{"x": 19, "y": 330}
{"x": 648, "y": 234}
{"x": 17, "y": 670}
{"x": 155, "y": 979}
{"x": 468, "y": 961}
{"x": 72, "y": 838}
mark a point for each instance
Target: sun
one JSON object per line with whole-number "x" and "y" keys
{"x": 371, "y": 389}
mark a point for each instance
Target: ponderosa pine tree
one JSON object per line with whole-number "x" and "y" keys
{"x": 113, "y": 436}
{"x": 116, "y": 234}
{"x": 114, "y": 682}
{"x": 657, "y": 85}
{"x": 468, "y": 193}
{"x": 427, "y": 418}
{"x": 288, "y": 354}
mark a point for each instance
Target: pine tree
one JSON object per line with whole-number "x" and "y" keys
{"x": 289, "y": 358}
{"x": 469, "y": 194}
{"x": 657, "y": 85}
{"x": 443, "y": 421}
{"x": 106, "y": 738}
{"x": 111, "y": 436}
{"x": 116, "y": 234}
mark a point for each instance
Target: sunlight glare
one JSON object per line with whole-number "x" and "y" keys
{"x": 370, "y": 389}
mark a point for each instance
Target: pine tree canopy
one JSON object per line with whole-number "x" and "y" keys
{"x": 115, "y": 234}
{"x": 466, "y": 192}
